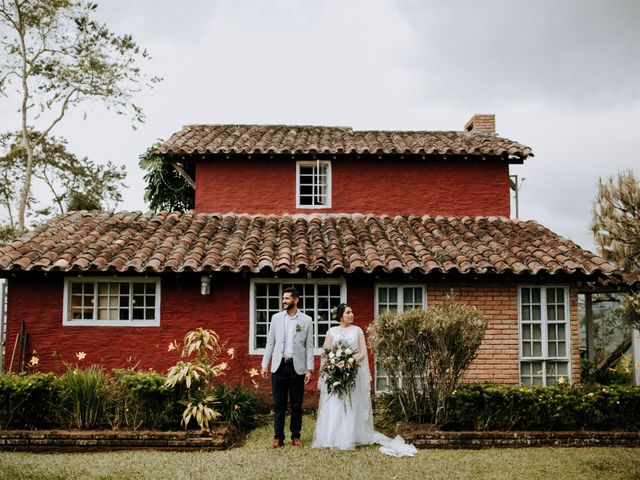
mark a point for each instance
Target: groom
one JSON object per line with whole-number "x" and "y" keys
{"x": 290, "y": 349}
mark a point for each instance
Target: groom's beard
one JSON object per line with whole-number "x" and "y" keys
{"x": 289, "y": 307}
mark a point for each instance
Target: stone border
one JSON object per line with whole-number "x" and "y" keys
{"x": 495, "y": 439}
{"x": 218, "y": 438}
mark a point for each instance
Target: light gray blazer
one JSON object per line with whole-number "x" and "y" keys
{"x": 302, "y": 343}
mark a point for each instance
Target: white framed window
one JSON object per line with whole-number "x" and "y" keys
{"x": 313, "y": 184}
{"x": 544, "y": 334}
{"x": 397, "y": 299}
{"x": 317, "y": 299}
{"x": 103, "y": 301}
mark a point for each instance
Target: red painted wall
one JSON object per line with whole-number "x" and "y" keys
{"x": 366, "y": 185}
{"x": 226, "y": 311}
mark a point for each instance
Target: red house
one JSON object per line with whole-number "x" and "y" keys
{"x": 381, "y": 219}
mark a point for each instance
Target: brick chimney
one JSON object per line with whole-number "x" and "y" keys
{"x": 482, "y": 123}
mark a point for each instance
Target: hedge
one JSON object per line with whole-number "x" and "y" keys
{"x": 134, "y": 400}
{"x": 563, "y": 407}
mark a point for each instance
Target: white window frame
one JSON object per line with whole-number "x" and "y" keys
{"x": 377, "y": 287}
{"x": 313, "y": 163}
{"x": 544, "y": 357}
{"x": 253, "y": 350}
{"x": 66, "y": 310}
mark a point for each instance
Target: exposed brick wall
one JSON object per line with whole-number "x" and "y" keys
{"x": 498, "y": 359}
{"x": 481, "y": 123}
{"x": 365, "y": 185}
{"x": 226, "y": 311}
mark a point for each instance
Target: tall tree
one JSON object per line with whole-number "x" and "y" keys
{"x": 167, "y": 188}
{"x": 616, "y": 229}
{"x": 73, "y": 183}
{"x": 58, "y": 57}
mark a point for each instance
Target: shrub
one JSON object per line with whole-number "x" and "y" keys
{"x": 196, "y": 373}
{"x": 425, "y": 354}
{"x": 576, "y": 407}
{"x": 239, "y": 406}
{"x": 85, "y": 396}
{"x": 141, "y": 400}
{"x": 28, "y": 400}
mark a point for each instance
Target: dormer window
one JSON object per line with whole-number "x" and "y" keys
{"x": 313, "y": 184}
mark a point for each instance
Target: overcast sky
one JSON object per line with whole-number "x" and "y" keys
{"x": 562, "y": 77}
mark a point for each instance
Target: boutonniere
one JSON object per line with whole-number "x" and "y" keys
{"x": 298, "y": 327}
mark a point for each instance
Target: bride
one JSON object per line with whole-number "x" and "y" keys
{"x": 346, "y": 424}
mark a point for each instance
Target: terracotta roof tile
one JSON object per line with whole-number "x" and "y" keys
{"x": 137, "y": 242}
{"x": 294, "y": 139}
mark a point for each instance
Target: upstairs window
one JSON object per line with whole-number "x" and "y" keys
{"x": 313, "y": 184}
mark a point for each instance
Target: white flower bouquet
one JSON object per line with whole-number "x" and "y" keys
{"x": 339, "y": 369}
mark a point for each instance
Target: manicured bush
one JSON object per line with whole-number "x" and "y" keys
{"x": 563, "y": 407}
{"x": 141, "y": 401}
{"x": 28, "y": 401}
{"x": 425, "y": 353}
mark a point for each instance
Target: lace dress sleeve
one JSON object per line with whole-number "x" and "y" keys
{"x": 363, "y": 356}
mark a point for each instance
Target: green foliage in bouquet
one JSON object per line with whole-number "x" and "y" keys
{"x": 339, "y": 369}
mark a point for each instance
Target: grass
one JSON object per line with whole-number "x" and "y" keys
{"x": 255, "y": 460}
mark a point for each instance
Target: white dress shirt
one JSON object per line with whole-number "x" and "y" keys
{"x": 289, "y": 333}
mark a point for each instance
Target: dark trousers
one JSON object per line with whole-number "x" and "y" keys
{"x": 286, "y": 384}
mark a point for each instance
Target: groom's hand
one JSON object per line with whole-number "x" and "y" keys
{"x": 263, "y": 372}
{"x": 307, "y": 376}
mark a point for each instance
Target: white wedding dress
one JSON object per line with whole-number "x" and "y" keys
{"x": 344, "y": 425}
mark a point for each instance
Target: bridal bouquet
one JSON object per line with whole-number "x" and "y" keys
{"x": 339, "y": 369}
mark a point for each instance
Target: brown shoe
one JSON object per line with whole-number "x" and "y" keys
{"x": 277, "y": 443}
{"x": 296, "y": 442}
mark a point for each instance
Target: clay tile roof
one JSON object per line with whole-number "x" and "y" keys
{"x": 175, "y": 242}
{"x": 294, "y": 139}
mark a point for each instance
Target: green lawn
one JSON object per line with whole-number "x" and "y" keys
{"x": 256, "y": 460}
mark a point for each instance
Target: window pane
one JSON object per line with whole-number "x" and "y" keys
{"x": 536, "y": 312}
{"x": 393, "y": 295}
{"x": 535, "y": 295}
{"x": 551, "y": 295}
{"x": 537, "y": 349}
{"x": 537, "y": 332}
